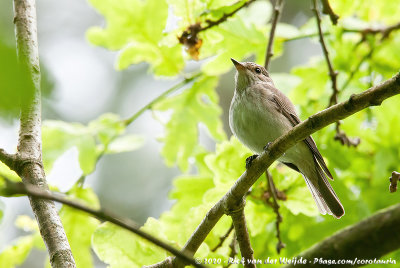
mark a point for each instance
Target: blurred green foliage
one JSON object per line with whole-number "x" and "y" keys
{"x": 14, "y": 82}
{"x": 142, "y": 32}
{"x": 15, "y": 85}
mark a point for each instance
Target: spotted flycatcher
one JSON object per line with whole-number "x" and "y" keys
{"x": 260, "y": 113}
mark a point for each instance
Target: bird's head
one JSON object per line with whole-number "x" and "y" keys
{"x": 249, "y": 73}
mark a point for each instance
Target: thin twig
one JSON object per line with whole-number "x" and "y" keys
{"x": 357, "y": 68}
{"x": 277, "y": 13}
{"x": 15, "y": 188}
{"x": 189, "y": 38}
{"x": 394, "y": 179}
{"x": 385, "y": 31}
{"x": 332, "y": 73}
{"x": 242, "y": 235}
{"x": 224, "y": 17}
{"x": 340, "y": 135}
{"x": 232, "y": 246}
{"x": 148, "y": 106}
{"x": 326, "y": 9}
{"x": 273, "y": 193}
{"x": 303, "y": 36}
{"x": 223, "y": 238}
{"x": 7, "y": 159}
{"x": 160, "y": 97}
{"x": 357, "y": 102}
{"x": 343, "y": 138}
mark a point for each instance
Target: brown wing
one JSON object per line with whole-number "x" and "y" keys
{"x": 290, "y": 114}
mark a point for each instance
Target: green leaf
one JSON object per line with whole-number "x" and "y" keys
{"x": 199, "y": 104}
{"x": 313, "y": 91}
{"x": 125, "y": 144}
{"x": 227, "y": 163}
{"x": 121, "y": 248}
{"x": 368, "y": 10}
{"x": 136, "y": 29}
{"x": 107, "y": 127}
{"x": 60, "y": 136}
{"x": 233, "y": 39}
{"x": 16, "y": 254}
{"x": 102, "y": 135}
{"x": 188, "y": 11}
{"x": 79, "y": 226}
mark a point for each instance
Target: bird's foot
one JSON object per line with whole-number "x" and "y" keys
{"x": 265, "y": 148}
{"x": 249, "y": 160}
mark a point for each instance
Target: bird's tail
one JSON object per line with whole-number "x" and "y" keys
{"x": 322, "y": 192}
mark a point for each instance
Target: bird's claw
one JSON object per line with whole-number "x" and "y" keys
{"x": 249, "y": 160}
{"x": 265, "y": 148}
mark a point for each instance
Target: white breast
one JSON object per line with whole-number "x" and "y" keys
{"x": 255, "y": 121}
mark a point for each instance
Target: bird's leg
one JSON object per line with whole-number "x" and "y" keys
{"x": 267, "y": 146}
{"x": 250, "y": 159}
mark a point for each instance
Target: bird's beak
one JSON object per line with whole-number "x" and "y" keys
{"x": 239, "y": 66}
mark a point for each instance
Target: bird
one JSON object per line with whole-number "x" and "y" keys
{"x": 260, "y": 113}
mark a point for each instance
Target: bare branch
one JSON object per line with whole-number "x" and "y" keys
{"x": 7, "y": 159}
{"x": 326, "y": 9}
{"x": 14, "y": 188}
{"x": 356, "y": 242}
{"x": 332, "y": 73}
{"x": 277, "y": 12}
{"x": 384, "y": 31}
{"x": 357, "y": 102}
{"x": 242, "y": 234}
{"x": 340, "y": 135}
{"x": 394, "y": 179}
{"x": 273, "y": 193}
{"x": 28, "y": 163}
{"x": 232, "y": 246}
{"x": 344, "y": 139}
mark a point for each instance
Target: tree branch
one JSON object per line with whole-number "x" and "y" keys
{"x": 332, "y": 73}
{"x": 15, "y": 188}
{"x": 29, "y": 163}
{"x": 340, "y": 135}
{"x": 357, "y": 102}
{"x": 242, "y": 234}
{"x": 385, "y": 31}
{"x": 357, "y": 242}
{"x": 394, "y": 179}
{"x": 277, "y": 12}
{"x": 275, "y": 206}
{"x": 7, "y": 159}
{"x": 326, "y": 9}
{"x": 232, "y": 246}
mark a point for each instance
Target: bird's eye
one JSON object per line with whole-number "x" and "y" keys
{"x": 258, "y": 70}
